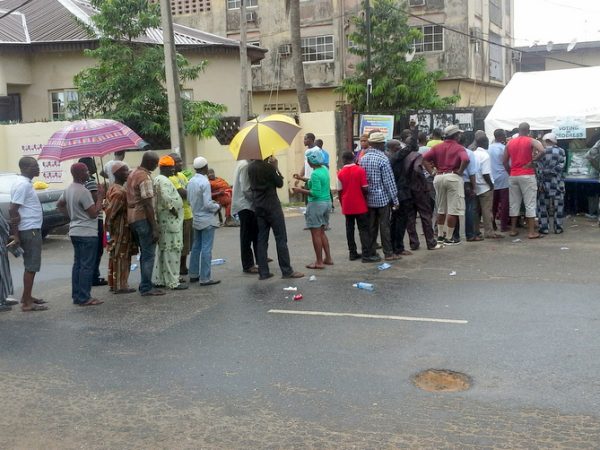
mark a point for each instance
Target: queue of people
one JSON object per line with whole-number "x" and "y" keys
{"x": 382, "y": 188}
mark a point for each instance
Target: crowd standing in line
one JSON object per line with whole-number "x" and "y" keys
{"x": 381, "y": 190}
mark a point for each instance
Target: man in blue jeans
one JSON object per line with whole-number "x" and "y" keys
{"x": 142, "y": 222}
{"x": 78, "y": 204}
{"x": 204, "y": 222}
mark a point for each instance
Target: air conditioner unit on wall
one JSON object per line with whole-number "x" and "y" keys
{"x": 515, "y": 55}
{"x": 285, "y": 50}
{"x": 475, "y": 34}
{"x": 251, "y": 16}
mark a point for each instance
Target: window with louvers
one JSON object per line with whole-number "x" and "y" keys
{"x": 182, "y": 7}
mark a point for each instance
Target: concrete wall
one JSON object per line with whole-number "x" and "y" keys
{"x": 320, "y": 100}
{"x": 27, "y": 140}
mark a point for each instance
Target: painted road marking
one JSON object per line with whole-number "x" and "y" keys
{"x": 367, "y": 316}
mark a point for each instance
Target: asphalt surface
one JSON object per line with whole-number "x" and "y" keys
{"x": 211, "y": 367}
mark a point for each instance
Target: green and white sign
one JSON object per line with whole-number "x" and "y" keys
{"x": 569, "y": 127}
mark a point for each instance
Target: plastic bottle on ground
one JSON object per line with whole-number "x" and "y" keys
{"x": 363, "y": 285}
{"x": 217, "y": 262}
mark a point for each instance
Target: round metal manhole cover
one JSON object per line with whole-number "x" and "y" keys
{"x": 440, "y": 380}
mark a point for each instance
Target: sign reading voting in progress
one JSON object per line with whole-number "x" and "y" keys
{"x": 385, "y": 124}
{"x": 569, "y": 127}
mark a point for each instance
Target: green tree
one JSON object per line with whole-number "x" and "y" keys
{"x": 128, "y": 81}
{"x": 398, "y": 85}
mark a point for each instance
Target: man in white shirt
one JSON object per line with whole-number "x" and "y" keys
{"x": 107, "y": 169}
{"x": 205, "y": 222}
{"x": 241, "y": 204}
{"x": 26, "y": 218}
{"x": 500, "y": 207}
{"x": 485, "y": 187}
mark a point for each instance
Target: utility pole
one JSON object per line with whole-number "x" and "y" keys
{"x": 368, "y": 20}
{"x": 172, "y": 77}
{"x": 244, "y": 65}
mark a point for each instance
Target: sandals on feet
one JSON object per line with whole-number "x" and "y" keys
{"x": 34, "y": 307}
{"x": 92, "y": 302}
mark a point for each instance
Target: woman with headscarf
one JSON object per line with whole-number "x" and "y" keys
{"x": 169, "y": 216}
{"x": 318, "y": 207}
{"x": 121, "y": 245}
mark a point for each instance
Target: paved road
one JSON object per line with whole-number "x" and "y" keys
{"x": 213, "y": 368}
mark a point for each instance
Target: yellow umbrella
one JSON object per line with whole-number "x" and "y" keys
{"x": 264, "y": 136}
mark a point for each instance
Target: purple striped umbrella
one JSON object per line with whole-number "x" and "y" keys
{"x": 94, "y": 137}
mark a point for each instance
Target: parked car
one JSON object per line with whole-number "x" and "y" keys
{"x": 52, "y": 217}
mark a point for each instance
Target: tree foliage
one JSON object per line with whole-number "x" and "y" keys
{"x": 398, "y": 85}
{"x": 128, "y": 81}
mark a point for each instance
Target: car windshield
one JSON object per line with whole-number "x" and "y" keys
{"x": 6, "y": 182}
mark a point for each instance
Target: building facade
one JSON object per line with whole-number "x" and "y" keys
{"x": 474, "y": 68}
{"x": 560, "y": 56}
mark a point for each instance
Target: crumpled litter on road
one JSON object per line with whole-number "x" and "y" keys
{"x": 290, "y": 288}
{"x": 453, "y": 273}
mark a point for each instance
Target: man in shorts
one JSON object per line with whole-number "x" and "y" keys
{"x": 450, "y": 160}
{"x": 519, "y": 157}
{"x": 26, "y": 217}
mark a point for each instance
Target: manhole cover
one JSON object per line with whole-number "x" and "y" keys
{"x": 439, "y": 380}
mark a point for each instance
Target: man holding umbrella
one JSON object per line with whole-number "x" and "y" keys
{"x": 265, "y": 178}
{"x": 258, "y": 140}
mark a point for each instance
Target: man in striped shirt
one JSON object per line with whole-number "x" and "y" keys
{"x": 382, "y": 193}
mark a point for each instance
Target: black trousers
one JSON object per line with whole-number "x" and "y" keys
{"x": 248, "y": 237}
{"x": 421, "y": 203}
{"x": 379, "y": 220}
{"x": 362, "y": 222}
{"x": 268, "y": 219}
{"x": 399, "y": 223}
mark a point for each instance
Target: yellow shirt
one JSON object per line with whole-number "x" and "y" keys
{"x": 433, "y": 142}
{"x": 180, "y": 181}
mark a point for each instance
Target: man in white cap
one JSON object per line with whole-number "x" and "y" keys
{"x": 204, "y": 222}
{"x": 519, "y": 159}
{"x": 550, "y": 168}
{"x": 450, "y": 159}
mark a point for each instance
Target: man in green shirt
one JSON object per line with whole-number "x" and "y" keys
{"x": 180, "y": 182}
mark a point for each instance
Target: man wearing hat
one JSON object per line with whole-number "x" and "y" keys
{"x": 205, "y": 221}
{"x": 552, "y": 186}
{"x": 121, "y": 245}
{"x": 519, "y": 160}
{"x": 140, "y": 215}
{"x": 169, "y": 215}
{"x": 382, "y": 192}
{"x": 449, "y": 159}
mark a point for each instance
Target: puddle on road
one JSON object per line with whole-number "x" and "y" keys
{"x": 440, "y": 380}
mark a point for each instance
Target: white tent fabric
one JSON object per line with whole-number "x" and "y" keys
{"x": 539, "y": 98}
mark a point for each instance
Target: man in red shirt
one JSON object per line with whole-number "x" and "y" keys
{"x": 519, "y": 157}
{"x": 449, "y": 160}
{"x": 352, "y": 190}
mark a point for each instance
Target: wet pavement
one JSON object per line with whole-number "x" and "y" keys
{"x": 212, "y": 367}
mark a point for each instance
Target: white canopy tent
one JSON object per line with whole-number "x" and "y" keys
{"x": 539, "y": 98}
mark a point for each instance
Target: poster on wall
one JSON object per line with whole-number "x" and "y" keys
{"x": 442, "y": 120}
{"x": 51, "y": 171}
{"x": 31, "y": 149}
{"x": 464, "y": 121}
{"x": 385, "y": 124}
{"x": 570, "y": 127}
{"x": 423, "y": 121}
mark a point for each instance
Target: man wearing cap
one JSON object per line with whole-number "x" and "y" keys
{"x": 265, "y": 178}
{"x": 449, "y": 160}
{"x": 382, "y": 193}
{"x": 120, "y": 244}
{"x": 205, "y": 221}
{"x": 550, "y": 168}
{"x": 169, "y": 215}
{"x": 77, "y": 202}
{"x": 519, "y": 159}
{"x": 140, "y": 215}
